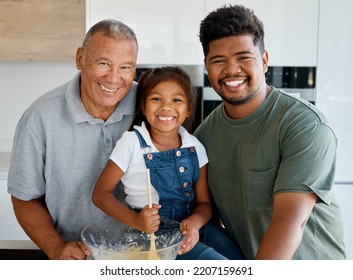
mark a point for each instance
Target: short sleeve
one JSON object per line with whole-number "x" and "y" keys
{"x": 201, "y": 153}
{"x": 26, "y": 179}
{"x": 124, "y": 150}
{"x": 308, "y": 162}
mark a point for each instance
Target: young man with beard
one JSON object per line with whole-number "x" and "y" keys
{"x": 271, "y": 155}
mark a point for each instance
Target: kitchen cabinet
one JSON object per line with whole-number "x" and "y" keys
{"x": 291, "y": 28}
{"x": 335, "y": 97}
{"x": 167, "y": 31}
{"x": 344, "y": 194}
{"x": 9, "y": 227}
{"x": 12, "y": 236}
{"x": 33, "y": 30}
{"x": 334, "y": 79}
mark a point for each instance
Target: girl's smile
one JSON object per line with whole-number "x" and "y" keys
{"x": 166, "y": 107}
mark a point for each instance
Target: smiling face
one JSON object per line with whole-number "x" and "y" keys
{"x": 236, "y": 70}
{"x": 107, "y": 72}
{"x": 166, "y": 107}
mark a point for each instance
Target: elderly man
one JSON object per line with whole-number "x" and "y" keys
{"x": 64, "y": 140}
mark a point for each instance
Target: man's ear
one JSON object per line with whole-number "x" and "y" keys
{"x": 265, "y": 61}
{"x": 79, "y": 58}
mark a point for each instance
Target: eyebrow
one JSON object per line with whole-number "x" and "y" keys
{"x": 235, "y": 54}
{"x": 215, "y": 56}
{"x": 102, "y": 58}
{"x": 182, "y": 93}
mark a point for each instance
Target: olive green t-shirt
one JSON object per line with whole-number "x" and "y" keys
{"x": 286, "y": 145}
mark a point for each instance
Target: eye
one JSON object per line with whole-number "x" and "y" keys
{"x": 104, "y": 64}
{"x": 126, "y": 68}
{"x": 217, "y": 61}
{"x": 155, "y": 99}
{"x": 244, "y": 57}
{"x": 177, "y": 100}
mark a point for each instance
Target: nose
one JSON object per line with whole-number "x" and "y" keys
{"x": 166, "y": 105}
{"x": 232, "y": 67}
{"x": 113, "y": 75}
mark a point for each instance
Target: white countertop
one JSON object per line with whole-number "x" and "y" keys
{"x": 11, "y": 234}
{"x": 18, "y": 244}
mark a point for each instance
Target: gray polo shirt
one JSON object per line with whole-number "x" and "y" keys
{"x": 60, "y": 150}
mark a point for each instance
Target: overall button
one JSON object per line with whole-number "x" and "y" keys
{"x": 192, "y": 149}
{"x": 187, "y": 194}
{"x": 181, "y": 169}
{"x": 178, "y": 153}
{"x": 149, "y": 156}
{"x": 107, "y": 141}
{"x": 185, "y": 184}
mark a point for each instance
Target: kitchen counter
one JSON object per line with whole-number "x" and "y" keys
{"x": 18, "y": 244}
{"x": 12, "y": 237}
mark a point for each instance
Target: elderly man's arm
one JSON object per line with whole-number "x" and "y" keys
{"x": 36, "y": 221}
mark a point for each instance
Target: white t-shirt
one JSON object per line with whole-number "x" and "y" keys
{"x": 128, "y": 155}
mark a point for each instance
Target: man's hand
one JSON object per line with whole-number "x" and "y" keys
{"x": 71, "y": 251}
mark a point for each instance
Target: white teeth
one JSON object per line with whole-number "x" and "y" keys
{"x": 107, "y": 89}
{"x": 233, "y": 83}
{"x": 165, "y": 118}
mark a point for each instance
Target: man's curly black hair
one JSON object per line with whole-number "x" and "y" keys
{"x": 231, "y": 20}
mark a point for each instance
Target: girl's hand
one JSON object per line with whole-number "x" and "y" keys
{"x": 191, "y": 232}
{"x": 148, "y": 219}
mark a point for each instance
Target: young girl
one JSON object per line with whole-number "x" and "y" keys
{"x": 177, "y": 163}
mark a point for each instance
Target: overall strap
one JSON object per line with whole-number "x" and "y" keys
{"x": 142, "y": 141}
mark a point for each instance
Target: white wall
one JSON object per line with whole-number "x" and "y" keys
{"x": 20, "y": 84}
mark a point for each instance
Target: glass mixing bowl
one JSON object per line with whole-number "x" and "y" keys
{"x": 113, "y": 240}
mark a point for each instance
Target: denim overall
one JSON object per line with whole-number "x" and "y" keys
{"x": 173, "y": 175}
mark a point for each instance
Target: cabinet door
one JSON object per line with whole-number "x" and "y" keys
{"x": 334, "y": 79}
{"x": 344, "y": 194}
{"x": 35, "y": 30}
{"x": 9, "y": 227}
{"x": 167, "y": 31}
{"x": 291, "y": 28}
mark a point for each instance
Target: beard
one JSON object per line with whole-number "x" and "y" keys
{"x": 236, "y": 99}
